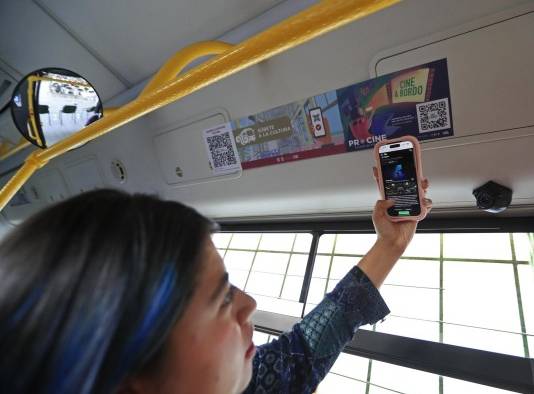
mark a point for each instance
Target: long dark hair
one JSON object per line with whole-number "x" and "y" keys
{"x": 90, "y": 287}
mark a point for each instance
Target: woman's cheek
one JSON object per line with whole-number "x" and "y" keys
{"x": 227, "y": 337}
{"x": 223, "y": 364}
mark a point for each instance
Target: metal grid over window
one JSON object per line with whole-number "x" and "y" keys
{"x": 268, "y": 266}
{"x": 471, "y": 290}
{"x": 358, "y": 375}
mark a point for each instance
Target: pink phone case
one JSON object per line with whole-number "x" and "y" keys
{"x": 418, "y": 167}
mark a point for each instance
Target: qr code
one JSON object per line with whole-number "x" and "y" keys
{"x": 221, "y": 150}
{"x": 433, "y": 115}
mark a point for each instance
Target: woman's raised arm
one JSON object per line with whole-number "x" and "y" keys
{"x": 298, "y": 360}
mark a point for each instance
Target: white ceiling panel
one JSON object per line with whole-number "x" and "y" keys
{"x": 135, "y": 37}
{"x": 30, "y": 39}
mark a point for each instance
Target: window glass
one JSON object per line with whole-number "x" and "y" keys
{"x": 457, "y": 287}
{"x": 334, "y": 383}
{"x": 480, "y": 294}
{"x": 245, "y": 241}
{"x": 351, "y": 366}
{"x": 221, "y": 240}
{"x": 409, "y": 327}
{"x": 297, "y": 264}
{"x": 414, "y": 273}
{"x": 414, "y": 302}
{"x": 282, "y": 242}
{"x": 526, "y": 283}
{"x": 461, "y": 289}
{"x": 478, "y": 246}
{"x": 271, "y": 262}
{"x": 424, "y": 245}
{"x": 317, "y": 290}
{"x": 268, "y": 266}
{"x": 484, "y": 339}
{"x": 349, "y": 375}
{"x": 523, "y": 247}
{"x": 302, "y": 243}
{"x": 238, "y": 278}
{"x": 326, "y": 243}
{"x": 238, "y": 260}
{"x": 260, "y": 338}
{"x": 342, "y": 265}
{"x": 451, "y": 386}
{"x": 292, "y": 287}
{"x": 356, "y": 244}
{"x": 321, "y": 267}
{"x": 402, "y": 379}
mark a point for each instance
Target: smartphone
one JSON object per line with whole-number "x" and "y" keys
{"x": 399, "y": 177}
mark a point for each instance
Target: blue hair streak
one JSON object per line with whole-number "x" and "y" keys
{"x": 154, "y": 316}
{"x": 85, "y": 346}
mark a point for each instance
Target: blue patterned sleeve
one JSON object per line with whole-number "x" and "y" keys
{"x": 298, "y": 360}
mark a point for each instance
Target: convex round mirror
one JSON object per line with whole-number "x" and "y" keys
{"x": 50, "y": 104}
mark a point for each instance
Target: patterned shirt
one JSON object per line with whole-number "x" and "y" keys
{"x": 298, "y": 360}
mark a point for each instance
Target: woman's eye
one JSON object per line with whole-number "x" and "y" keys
{"x": 229, "y": 296}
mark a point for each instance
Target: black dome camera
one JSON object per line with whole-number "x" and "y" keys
{"x": 493, "y": 197}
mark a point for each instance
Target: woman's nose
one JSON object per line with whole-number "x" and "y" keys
{"x": 247, "y": 306}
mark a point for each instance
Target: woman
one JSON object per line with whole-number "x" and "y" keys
{"x": 112, "y": 293}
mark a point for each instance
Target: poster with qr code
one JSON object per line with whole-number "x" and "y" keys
{"x": 415, "y": 101}
{"x": 222, "y": 151}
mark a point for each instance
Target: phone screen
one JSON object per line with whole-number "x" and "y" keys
{"x": 399, "y": 175}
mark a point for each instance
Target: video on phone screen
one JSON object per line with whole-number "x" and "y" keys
{"x": 400, "y": 182}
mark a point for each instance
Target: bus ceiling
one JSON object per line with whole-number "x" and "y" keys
{"x": 479, "y": 50}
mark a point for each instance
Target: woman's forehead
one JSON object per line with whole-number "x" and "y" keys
{"x": 212, "y": 270}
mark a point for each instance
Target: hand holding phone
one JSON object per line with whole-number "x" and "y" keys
{"x": 400, "y": 176}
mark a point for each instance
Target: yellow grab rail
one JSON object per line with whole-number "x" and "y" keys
{"x": 318, "y": 19}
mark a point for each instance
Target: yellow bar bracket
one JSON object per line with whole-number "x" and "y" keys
{"x": 318, "y": 19}
{"x": 177, "y": 63}
{"x": 12, "y": 149}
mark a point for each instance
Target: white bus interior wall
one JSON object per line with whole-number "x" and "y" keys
{"x": 487, "y": 43}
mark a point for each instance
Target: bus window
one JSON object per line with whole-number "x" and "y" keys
{"x": 473, "y": 290}
{"x": 268, "y": 266}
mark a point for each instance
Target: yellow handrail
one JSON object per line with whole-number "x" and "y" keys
{"x": 318, "y": 19}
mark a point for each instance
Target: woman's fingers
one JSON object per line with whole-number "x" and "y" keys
{"x": 428, "y": 204}
{"x": 425, "y": 184}
{"x": 382, "y": 206}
